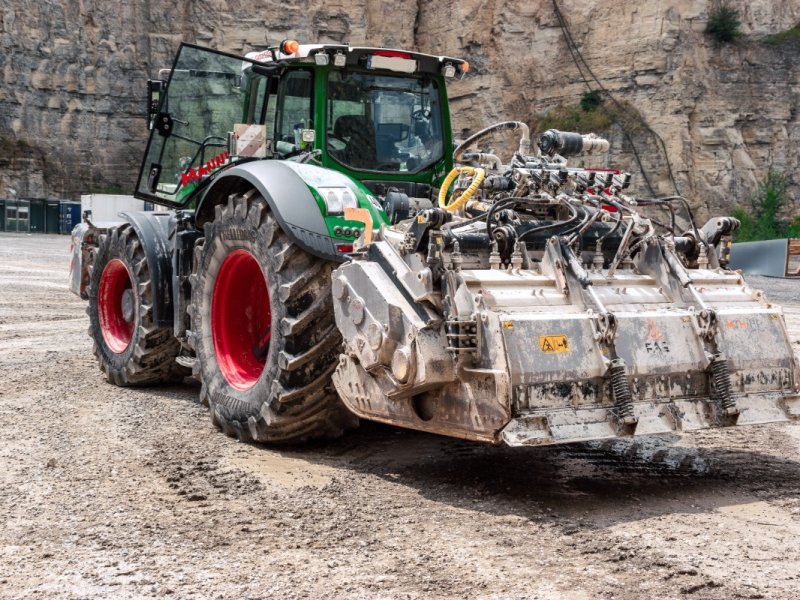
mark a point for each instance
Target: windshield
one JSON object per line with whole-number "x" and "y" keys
{"x": 382, "y": 122}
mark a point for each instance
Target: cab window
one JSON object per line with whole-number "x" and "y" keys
{"x": 262, "y": 101}
{"x": 383, "y": 123}
{"x": 295, "y": 108}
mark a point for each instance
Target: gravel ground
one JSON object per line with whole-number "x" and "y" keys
{"x": 125, "y": 493}
{"x": 784, "y": 291}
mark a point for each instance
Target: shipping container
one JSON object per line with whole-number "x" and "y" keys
{"x": 44, "y": 216}
{"x": 39, "y": 215}
{"x": 36, "y": 217}
{"x": 17, "y": 215}
{"x": 52, "y": 212}
{"x": 70, "y": 215}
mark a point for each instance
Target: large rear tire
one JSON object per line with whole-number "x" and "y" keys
{"x": 263, "y": 329}
{"x": 130, "y": 349}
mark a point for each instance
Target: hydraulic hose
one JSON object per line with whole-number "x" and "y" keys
{"x": 454, "y": 205}
{"x": 572, "y": 218}
{"x": 505, "y": 203}
{"x": 685, "y": 203}
{"x": 524, "y": 141}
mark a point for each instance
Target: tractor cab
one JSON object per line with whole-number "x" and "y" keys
{"x": 378, "y": 116}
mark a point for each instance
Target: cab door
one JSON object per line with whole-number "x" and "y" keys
{"x": 207, "y": 94}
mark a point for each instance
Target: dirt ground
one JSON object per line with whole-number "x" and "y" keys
{"x": 108, "y": 492}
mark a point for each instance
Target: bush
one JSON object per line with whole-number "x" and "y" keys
{"x": 574, "y": 118}
{"x": 591, "y": 100}
{"x": 794, "y": 228}
{"x": 724, "y": 23}
{"x": 782, "y": 37}
{"x": 746, "y": 232}
{"x": 763, "y": 221}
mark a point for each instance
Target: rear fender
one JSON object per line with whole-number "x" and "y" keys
{"x": 154, "y": 232}
{"x": 288, "y": 196}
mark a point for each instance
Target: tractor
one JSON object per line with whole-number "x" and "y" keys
{"x": 329, "y": 254}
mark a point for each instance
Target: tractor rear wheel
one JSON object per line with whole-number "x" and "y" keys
{"x": 263, "y": 329}
{"x": 129, "y": 348}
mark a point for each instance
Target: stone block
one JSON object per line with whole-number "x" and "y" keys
{"x": 647, "y": 80}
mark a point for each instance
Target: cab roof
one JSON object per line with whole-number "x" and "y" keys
{"x": 342, "y": 55}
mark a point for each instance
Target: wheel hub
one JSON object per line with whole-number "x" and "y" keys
{"x": 127, "y": 305}
{"x": 241, "y": 319}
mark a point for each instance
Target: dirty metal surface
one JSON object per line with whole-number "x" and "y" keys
{"x": 540, "y": 370}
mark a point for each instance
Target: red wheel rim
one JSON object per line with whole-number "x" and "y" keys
{"x": 241, "y": 319}
{"x": 115, "y": 305}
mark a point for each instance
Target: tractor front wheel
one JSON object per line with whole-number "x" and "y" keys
{"x": 129, "y": 348}
{"x": 263, "y": 329}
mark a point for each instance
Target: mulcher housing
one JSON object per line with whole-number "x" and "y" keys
{"x": 523, "y": 302}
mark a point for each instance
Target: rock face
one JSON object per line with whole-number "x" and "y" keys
{"x": 725, "y": 113}
{"x": 719, "y": 116}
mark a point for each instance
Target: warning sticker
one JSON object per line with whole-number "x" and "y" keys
{"x": 553, "y": 344}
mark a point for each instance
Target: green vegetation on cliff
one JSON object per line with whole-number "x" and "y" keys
{"x": 782, "y": 37}
{"x": 762, "y": 221}
{"x": 574, "y": 118}
{"x": 724, "y": 23}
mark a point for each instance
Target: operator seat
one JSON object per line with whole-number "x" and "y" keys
{"x": 358, "y": 132}
{"x": 387, "y": 138}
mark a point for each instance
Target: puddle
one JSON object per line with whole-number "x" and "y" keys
{"x": 273, "y": 467}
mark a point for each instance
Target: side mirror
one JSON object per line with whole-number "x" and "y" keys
{"x": 155, "y": 87}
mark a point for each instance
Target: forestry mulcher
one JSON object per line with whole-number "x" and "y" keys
{"x": 327, "y": 255}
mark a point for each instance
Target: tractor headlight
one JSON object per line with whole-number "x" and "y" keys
{"x": 337, "y": 199}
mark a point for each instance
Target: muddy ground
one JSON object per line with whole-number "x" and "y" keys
{"x": 108, "y": 492}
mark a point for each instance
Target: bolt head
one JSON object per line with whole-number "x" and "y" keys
{"x": 357, "y": 310}
{"x": 339, "y": 287}
{"x": 401, "y": 364}
{"x": 375, "y": 336}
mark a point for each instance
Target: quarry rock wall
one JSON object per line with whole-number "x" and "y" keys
{"x": 716, "y": 116}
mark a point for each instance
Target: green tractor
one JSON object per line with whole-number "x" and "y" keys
{"x": 234, "y": 282}
{"x": 313, "y": 268}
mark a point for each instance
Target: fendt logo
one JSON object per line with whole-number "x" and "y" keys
{"x": 209, "y": 167}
